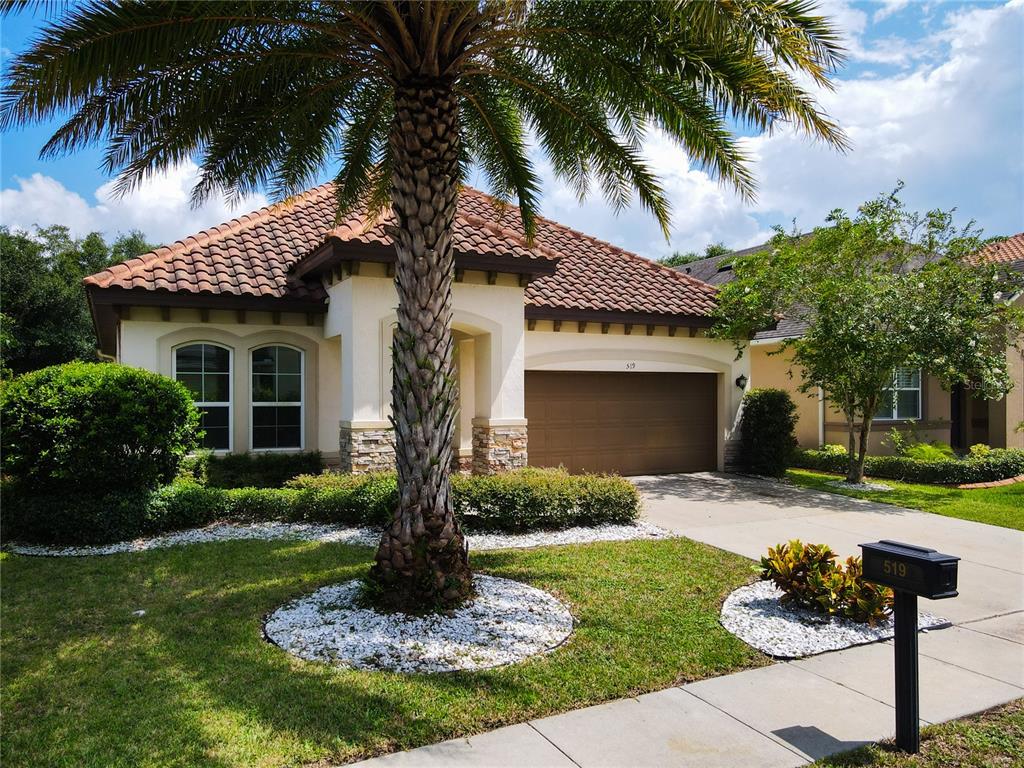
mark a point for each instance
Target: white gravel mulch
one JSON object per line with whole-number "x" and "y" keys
{"x": 859, "y": 486}
{"x": 333, "y": 533}
{"x": 506, "y": 622}
{"x": 755, "y": 615}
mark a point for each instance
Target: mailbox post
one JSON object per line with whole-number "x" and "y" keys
{"x": 910, "y": 571}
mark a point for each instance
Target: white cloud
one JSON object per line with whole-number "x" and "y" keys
{"x": 703, "y": 210}
{"x": 852, "y": 24}
{"x": 950, "y": 128}
{"x": 889, "y": 8}
{"x": 159, "y": 207}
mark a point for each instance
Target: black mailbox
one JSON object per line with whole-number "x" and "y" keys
{"x": 908, "y": 568}
{"x": 911, "y": 571}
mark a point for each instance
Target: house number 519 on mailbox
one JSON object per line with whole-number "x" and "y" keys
{"x": 894, "y": 569}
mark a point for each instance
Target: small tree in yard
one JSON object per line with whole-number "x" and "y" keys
{"x": 883, "y": 289}
{"x": 404, "y": 98}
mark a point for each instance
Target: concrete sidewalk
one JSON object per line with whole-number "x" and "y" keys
{"x": 789, "y": 713}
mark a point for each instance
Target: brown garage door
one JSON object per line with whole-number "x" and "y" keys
{"x": 630, "y": 423}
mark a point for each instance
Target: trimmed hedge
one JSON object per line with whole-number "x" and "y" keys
{"x": 517, "y": 501}
{"x": 767, "y": 432}
{"x": 247, "y": 470}
{"x": 93, "y": 428}
{"x": 998, "y": 464}
{"x": 532, "y": 499}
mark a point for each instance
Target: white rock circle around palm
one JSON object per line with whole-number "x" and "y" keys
{"x": 507, "y": 622}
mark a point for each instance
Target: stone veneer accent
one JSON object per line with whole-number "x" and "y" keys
{"x": 366, "y": 449}
{"x": 497, "y": 447}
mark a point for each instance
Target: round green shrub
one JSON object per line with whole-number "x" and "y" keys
{"x": 92, "y": 428}
{"x": 767, "y": 434}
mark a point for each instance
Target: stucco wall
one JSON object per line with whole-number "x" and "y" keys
{"x": 773, "y": 370}
{"x": 147, "y": 341}
{"x": 592, "y": 350}
{"x": 348, "y": 359}
{"x": 934, "y": 423}
{"x": 361, "y": 313}
{"x": 1007, "y": 414}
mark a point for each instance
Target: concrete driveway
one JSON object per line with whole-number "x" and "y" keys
{"x": 747, "y": 515}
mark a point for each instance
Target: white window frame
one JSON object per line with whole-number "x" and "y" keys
{"x": 231, "y": 388}
{"x": 895, "y": 398}
{"x": 302, "y": 403}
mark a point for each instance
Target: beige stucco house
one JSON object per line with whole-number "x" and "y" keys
{"x": 570, "y": 351}
{"x": 919, "y": 404}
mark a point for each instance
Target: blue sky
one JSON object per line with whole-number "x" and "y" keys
{"x": 932, "y": 93}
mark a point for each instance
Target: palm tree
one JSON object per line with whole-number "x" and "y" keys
{"x": 404, "y": 97}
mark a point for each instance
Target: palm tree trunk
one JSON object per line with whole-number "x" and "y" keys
{"x": 423, "y": 562}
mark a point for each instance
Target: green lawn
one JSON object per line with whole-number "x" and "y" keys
{"x": 996, "y": 506}
{"x": 991, "y": 739}
{"x": 86, "y": 683}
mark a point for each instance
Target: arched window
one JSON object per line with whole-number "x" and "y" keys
{"x": 277, "y": 389}
{"x": 205, "y": 369}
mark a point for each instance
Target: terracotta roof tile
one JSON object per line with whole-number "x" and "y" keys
{"x": 1007, "y": 251}
{"x": 252, "y": 255}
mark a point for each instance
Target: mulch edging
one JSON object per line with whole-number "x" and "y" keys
{"x": 993, "y": 483}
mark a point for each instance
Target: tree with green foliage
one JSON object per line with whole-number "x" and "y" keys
{"x": 883, "y": 289}
{"x": 680, "y": 258}
{"x": 45, "y": 314}
{"x": 406, "y": 97}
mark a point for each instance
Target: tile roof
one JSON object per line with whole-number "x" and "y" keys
{"x": 593, "y": 275}
{"x": 253, "y": 256}
{"x": 482, "y": 226}
{"x": 247, "y": 256}
{"x": 1008, "y": 251}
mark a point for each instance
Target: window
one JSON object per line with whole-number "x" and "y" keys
{"x": 902, "y": 399}
{"x": 276, "y": 398}
{"x": 205, "y": 369}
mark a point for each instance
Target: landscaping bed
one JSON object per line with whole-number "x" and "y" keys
{"x": 343, "y": 534}
{"x": 193, "y": 682}
{"x": 987, "y": 465}
{"x": 1003, "y": 505}
{"x": 520, "y": 501}
{"x": 755, "y": 615}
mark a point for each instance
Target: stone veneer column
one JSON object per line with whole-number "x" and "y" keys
{"x": 366, "y": 447}
{"x": 498, "y": 445}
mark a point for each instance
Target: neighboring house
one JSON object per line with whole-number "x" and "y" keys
{"x": 570, "y": 351}
{"x": 918, "y": 404}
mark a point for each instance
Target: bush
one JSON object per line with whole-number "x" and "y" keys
{"x": 998, "y": 464}
{"x": 933, "y": 451}
{"x": 88, "y": 429}
{"x": 767, "y": 433}
{"x": 523, "y": 500}
{"x": 532, "y": 499}
{"x": 809, "y": 577}
{"x": 186, "y": 505}
{"x": 247, "y": 470}
{"x": 67, "y": 517}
